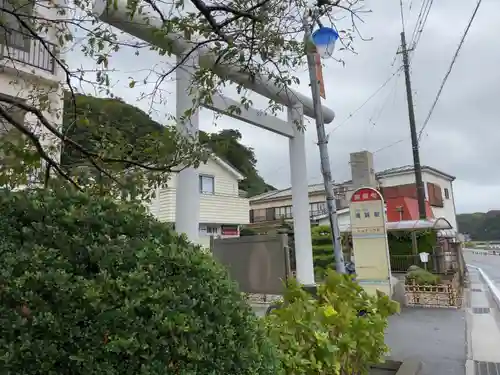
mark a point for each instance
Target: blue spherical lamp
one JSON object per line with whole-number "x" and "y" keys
{"x": 324, "y": 39}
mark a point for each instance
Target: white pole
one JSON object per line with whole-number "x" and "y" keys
{"x": 187, "y": 192}
{"x": 323, "y": 152}
{"x": 300, "y": 199}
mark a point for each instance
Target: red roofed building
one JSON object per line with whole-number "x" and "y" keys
{"x": 405, "y": 208}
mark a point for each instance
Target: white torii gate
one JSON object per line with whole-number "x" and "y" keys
{"x": 187, "y": 192}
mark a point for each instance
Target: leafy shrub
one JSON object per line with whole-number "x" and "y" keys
{"x": 323, "y": 255}
{"x": 88, "y": 286}
{"x": 400, "y": 242}
{"x": 244, "y": 231}
{"x": 327, "y": 335}
{"x": 420, "y": 276}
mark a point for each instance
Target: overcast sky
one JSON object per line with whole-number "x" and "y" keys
{"x": 462, "y": 137}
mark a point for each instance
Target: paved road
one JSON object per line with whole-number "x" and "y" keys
{"x": 488, "y": 263}
{"x": 434, "y": 336}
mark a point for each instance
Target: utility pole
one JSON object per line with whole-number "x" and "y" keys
{"x": 323, "y": 150}
{"x": 413, "y": 130}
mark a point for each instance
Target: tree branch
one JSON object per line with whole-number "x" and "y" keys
{"x": 36, "y": 142}
{"x": 92, "y": 156}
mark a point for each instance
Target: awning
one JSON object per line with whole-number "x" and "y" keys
{"x": 447, "y": 233}
{"x": 438, "y": 224}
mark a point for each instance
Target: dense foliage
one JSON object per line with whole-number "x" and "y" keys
{"x": 323, "y": 255}
{"x": 480, "y": 226}
{"x": 419, "y": 276}
{"x": 400, "y": 242}
{"x": 123, "y": 130}
{"x": 340, "y": 332}
{"x": 91, "y": 287}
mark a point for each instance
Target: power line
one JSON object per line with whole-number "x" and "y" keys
{"x": 351, "y": 115}
{"x": 417, "y": 22}
{"x": 450, "y": 68}
{"x": 377, "y": 112}
{"x": 391, "y": 145}
{"x": 419, "y": 33}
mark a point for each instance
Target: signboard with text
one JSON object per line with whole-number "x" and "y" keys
{"x": 369, "y": 240}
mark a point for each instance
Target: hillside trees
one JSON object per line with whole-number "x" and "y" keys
{"x": 112, "y": 122}
{"x": 480, "y": 226}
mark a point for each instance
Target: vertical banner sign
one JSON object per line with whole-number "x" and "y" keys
{"x": 369, "y": 240}
{"x": 319, "y": 75}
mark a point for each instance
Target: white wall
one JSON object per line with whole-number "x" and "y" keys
{"x": 222, "y": 207}
{"x": 448, "y": 209}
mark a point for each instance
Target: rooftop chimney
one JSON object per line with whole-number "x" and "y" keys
{"x": 362, "y": 170}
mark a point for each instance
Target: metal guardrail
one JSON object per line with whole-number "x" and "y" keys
{"x": 401, "y": 263}
{"x": 19, "y": 46}
{"x": 484, "y": 252}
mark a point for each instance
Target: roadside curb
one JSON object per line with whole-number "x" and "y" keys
{"x": 468, "y": 325}
{"x": 470, "y": 365}
{"x": 410, "y": 367}
{"x": 407, "y": 367}
{"x": 495, "y": 292}
{"x": 469, "y": 355}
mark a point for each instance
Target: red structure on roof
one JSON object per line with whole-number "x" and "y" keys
{"x": 405, "y": 208}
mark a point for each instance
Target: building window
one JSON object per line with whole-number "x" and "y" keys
{"x": 284, "y": 212}
{"x": 209, "y": 230}
{"x": 317, "y": 208}
{"x": 207, "y": 185}
{"x": 280, "y": 212}
{"x": 446, "y": 193}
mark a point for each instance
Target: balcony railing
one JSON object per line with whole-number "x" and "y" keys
{"x": 277, "y": 213}
{"x": 18, "y": 46}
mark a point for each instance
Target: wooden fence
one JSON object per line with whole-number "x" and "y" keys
{"x": 447, "y": 294}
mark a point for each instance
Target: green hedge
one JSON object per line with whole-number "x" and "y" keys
{"x": 90, "y": 287}
{"x": 400, "y": 242}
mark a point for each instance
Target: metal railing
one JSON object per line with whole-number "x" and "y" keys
{"x": 19, "y": 46}
{"x": 401, "y": 263}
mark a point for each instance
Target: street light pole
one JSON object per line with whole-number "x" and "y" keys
{"x": 323, "y": 149}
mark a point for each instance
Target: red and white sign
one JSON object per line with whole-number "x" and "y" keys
{"x": 230, "y": 230}
{"x": 366, "y": 195}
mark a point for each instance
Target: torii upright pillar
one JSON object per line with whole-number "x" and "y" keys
{"x": 187, "y": 192}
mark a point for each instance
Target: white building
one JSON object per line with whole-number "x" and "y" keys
{"x": 222, "y": 209}
{"x": 29, "y": 71}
